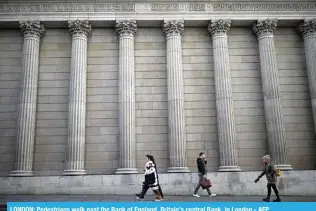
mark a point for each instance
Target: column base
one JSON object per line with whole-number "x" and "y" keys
{"x": 21, "y": 173}
{"x": 284, "y": 167}
{"x": 126, "y": 171}
{"x": 178, "y": 170}
{"x": 74, "y": 172}
{"x": 229, "y": 169}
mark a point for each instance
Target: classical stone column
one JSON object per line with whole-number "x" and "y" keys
{"x": 126, "y": 31}
{"x": 176, "y": 119}
{"x": 32, "y": 32}
{"x": 218, "y": 29}
{"x": 264, "y": 30}
{"x": 308, "y": 30}
{"x": 79, "y": 30}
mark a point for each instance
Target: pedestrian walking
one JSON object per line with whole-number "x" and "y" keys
{"x": 151, "y": 180}
{"x": 271, "y": 173}
{"x": 201, "y": 165}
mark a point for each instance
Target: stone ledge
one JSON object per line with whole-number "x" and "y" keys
{"x": 224, "y": 183}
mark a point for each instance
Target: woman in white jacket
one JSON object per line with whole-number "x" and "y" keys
{"x": 151, "y": 180}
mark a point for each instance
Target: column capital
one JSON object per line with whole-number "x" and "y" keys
{"x": 173, "y": 27}
{"x": 308, "y": 27}
{"x": 265, "y": 27}
{"x": 126, "y": 28}
{"x": 79, "y": 27}
{"x": 32, "y": 28}
{"x": 220, "y": 26}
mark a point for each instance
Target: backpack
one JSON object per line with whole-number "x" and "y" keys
{"x": 277, "y": 170}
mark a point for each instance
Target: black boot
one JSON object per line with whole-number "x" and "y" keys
{"x": 266, "y": 199}
{"x": 277, "y": 199}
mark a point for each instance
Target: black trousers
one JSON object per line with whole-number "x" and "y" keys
{"x": 145, "y": 188}
{"x": 275, "y": 189}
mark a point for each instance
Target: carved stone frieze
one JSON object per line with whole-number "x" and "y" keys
{"x": 126, "y": 28}
{"x": 82, "y": 27}
{"x": 218, "y": 26}
{"x": 32, "y": 28}
{"x": 307, "y": 27}
{"x": 155, "y": 7}
{"x": 267, "y": 26}
{"x": 173, "y": 27}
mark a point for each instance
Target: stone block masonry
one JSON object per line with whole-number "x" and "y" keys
{"x": 102, "y": 152}
{"x": 11, "y": 45}
{"x": 199, "y": 97}
{"x": 248, "y": 99}
{"x": 224, "y": 183}
{"x": 151, "y": 97}
{"x": 52, "y": 103}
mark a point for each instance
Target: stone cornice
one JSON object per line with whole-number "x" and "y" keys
{"x": 173, "y": 27}
{"x": 218, "y": 26}
{"x": 32, "y": 28}
{"x": 264, "y": 27}
{"x": 154, "y": 7}
{"x": 307, "y": 27}
{"x": 126, "y": 28}
{"x": 79, "y": 27}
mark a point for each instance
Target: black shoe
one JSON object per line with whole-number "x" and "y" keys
{"x": 277, "y": 200}
{"x": 266, "y": 200}
{"x": 138, "y": 196}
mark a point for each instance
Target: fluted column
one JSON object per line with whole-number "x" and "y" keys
{"x": 308, "y": 30}
{"x": 264, "y": 30}
{"x": 75, "y": 165}
{"x": 126, "y": 31}
{"x": 176, "y": 119}
{"x": 32, "y": 32}
{"x": 224, "y": 102}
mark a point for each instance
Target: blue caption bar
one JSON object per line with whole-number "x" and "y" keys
{"x": 160, "y": 206}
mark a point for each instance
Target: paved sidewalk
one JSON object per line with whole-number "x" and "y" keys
{"x": 7, "y": 198}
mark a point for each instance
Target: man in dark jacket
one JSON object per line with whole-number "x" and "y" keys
{"x": 201, "y": 165}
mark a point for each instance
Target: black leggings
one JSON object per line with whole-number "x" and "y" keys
{"x": 273, "y": 186}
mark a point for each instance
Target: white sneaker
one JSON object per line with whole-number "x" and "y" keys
{"x": 196, "y": 195}
{"x": 212, "y": 195}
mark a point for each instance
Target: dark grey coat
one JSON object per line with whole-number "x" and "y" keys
{"x": 270, "y": 172}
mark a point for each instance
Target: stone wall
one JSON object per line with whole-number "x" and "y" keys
{"x": 151, "y": 96}
{"x": 233, "y": 183}
{"x": 52, "y": 103}
{"x": 200, "y": 105}
{"x": 10, "y": 67}
{"x": 298, "y": 117}
{"x": 102, "y": 107}
{"x": 248, "y": 97}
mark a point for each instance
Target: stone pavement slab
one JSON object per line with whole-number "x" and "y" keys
{"x": 104, "y": 198}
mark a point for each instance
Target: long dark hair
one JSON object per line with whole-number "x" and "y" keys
{"x": 152, "y": 159}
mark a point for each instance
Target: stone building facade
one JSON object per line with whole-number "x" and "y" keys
{"x": 88, "y": 89}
